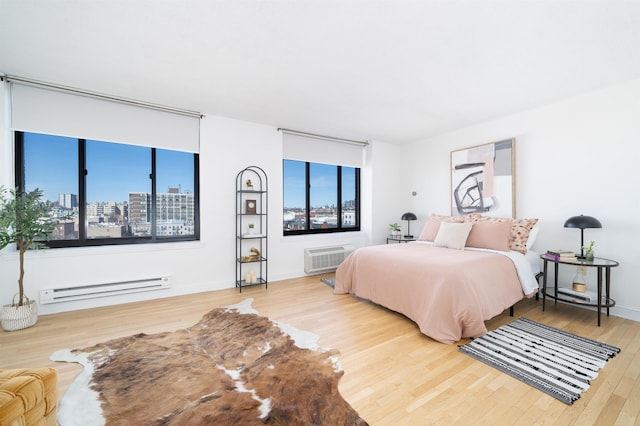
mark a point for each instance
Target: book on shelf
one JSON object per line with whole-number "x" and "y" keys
{"x": 586, "y": 296}
{"x": 561, "y": 252}
{"x": 561, "y": 255}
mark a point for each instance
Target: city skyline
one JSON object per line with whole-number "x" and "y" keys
{"x": 114, "y": 170}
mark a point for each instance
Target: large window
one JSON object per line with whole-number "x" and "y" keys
{"x": 320, "y": 198}
{"x": 111, "y": 193}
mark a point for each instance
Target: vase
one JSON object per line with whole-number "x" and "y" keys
{"x": 589, "y": 256}
{"x": 580, "y": 280}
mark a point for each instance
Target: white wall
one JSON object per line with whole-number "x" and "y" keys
{"x": 227, "y": 146}
{"x": 572, "y": 157}
{"x": 578, "y": 156}
{"x": 388, "y": 201}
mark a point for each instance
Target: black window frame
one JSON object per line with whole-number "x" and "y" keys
{"x": 82, "y": 240}
{"x": 339, "y": 203}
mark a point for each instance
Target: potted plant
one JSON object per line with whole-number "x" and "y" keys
{"x": 24, "y": 219}
{"x": 395, "y": 229}
{"x": 589, "y": 251}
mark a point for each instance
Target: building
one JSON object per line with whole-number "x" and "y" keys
{"x": 68, "y": 201}
{"x": 175, "y": 211}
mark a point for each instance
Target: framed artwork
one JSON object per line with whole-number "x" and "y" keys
{"x": 483, "y": 180}
{"x": 250, "y": 206}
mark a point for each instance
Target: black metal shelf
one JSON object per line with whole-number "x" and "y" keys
{"x": 255, "y": 269}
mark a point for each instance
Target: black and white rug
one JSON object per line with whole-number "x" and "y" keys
{"x": 558, "y": 363}
{"x": 331, "y": 282}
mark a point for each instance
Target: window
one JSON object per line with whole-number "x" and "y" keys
{"x": 111, "y": 193}
{"x": 320, "y": 198}
{"x": 53, "y": 167}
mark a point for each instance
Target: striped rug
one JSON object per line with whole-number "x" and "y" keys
{"x": 331, "y": 282}
{"x": 558, "y": 363}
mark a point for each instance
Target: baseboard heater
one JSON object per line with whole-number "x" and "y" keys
{"x": 55, "y": 295}
{"x": 325, "y": 259}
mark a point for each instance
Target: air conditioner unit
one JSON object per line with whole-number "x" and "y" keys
{"x": 325, "y": 259}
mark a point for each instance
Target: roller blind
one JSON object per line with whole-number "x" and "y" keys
{"x": 314, "y": 150}
{"x": 54, "y": 112}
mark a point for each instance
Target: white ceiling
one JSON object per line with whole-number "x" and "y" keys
{"x": 391, "y": 70}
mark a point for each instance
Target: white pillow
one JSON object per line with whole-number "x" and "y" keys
{"x": 453, "y": 235}
{"x": 533, "y": 234}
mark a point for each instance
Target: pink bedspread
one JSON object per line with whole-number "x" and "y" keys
{"x": 448, "y": 293}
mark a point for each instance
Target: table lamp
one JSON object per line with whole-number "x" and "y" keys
{"x": 408, "y": 217}
{"x": 582, "y": 222}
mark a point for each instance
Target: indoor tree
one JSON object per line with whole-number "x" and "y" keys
{"x": 24, "y": 220}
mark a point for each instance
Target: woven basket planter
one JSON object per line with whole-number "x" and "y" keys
{"x": 14, "y": 317}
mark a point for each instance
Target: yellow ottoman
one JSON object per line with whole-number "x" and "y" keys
{"x": 28, "y": 397}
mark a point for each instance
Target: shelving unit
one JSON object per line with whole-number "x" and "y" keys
{"x": 252, "y": 206}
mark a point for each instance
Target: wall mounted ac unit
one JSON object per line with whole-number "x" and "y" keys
{"x": 325, "y": 259}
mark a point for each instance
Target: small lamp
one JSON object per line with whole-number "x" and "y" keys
{"x": 582, "y": 222}
{"x": 408, "y": 217}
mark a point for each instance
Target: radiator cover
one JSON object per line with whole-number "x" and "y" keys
{"x": 56, "y": 295}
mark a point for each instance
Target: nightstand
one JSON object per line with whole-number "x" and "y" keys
{"x": 602, "y": 300}
{"x": 400, "y": 239}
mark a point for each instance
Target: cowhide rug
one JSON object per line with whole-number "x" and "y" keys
{"x": 233, "y": 367}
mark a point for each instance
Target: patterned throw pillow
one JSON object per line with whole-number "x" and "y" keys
{"x": 520, "y": 234}
{"x": 520, "y": 229}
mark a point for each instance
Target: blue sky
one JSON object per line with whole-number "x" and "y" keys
{"x": 323, "y": 184}
{"x": 114, "y": 170}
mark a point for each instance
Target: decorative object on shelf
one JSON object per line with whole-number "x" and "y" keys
{"x": 582, "y": 222}
{"x": 580, "y": 280}
{"x": 564, "y": 255}
{"x": 253, "y": 257}
{"x": 249, "y": 185}
{"x": 409, "y": 217}
{"x": 395, "y": 229}
{"x": 579, "y": 295}
{"x": 24, "y": 219}
{"x": 250, "y": 206}
{"x": 251, "y": 228}
{"x": 250, "y": 277}
{"x": 588, "y": 256}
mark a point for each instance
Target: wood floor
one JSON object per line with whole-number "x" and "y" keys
{"x": 394, "y": 375}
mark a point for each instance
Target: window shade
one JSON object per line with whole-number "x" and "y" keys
{"x": 314, "y": 150}
{"x": 53, "y": 112}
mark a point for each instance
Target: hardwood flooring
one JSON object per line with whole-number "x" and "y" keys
{"x": 394, "y": 375}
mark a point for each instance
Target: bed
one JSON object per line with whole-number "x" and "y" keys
{"x": 449, "y": 290}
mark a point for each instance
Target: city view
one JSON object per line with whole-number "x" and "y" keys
{"x": 117, "y": 184}
{"x": 321, "y": 181}
{"x": 324, "y": 217}
{"x": 132, "y": 218}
